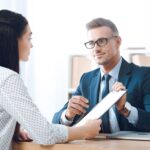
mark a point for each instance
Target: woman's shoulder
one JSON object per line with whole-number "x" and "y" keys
{"x": 6, "y": 73}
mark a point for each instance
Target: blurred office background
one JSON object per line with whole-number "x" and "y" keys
{"x": 58, "y": 28}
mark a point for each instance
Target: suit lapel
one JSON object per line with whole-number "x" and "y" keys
{"x": 125, "y": 73}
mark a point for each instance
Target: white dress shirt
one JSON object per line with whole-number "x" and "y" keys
{"x": 16, "y": 105}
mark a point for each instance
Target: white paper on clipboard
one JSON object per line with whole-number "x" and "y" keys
{"x": 102, "y": 106}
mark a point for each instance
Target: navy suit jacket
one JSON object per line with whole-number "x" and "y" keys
{"x": 137, "y": 82}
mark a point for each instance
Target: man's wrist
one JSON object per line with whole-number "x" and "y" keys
{"x": 125, "y": 111}
{"x": 64, "y": 120}
{"x": 69, "y": 119}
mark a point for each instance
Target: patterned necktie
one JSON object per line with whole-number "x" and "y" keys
{"x": 105, "y": 117}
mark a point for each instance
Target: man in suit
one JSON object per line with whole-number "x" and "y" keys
{"x": 132, "y": 111}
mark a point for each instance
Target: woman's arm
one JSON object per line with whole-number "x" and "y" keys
{"x": 17, "y": 102}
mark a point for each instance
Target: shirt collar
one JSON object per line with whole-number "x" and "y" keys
{"x": 114, "y": 72}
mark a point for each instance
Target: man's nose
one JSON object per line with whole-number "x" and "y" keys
{"x": 97, "y": 47}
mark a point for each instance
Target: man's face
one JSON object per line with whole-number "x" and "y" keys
{"x": 108, "y": 53}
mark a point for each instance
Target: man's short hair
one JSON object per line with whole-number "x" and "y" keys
{"x": 101, "y": 22}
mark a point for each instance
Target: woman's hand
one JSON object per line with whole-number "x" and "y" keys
{"x": 87, "y": 131}
{"x": 24, "y": 136}
{"x": 92, "y": 128}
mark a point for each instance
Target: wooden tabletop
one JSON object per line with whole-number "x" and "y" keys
{"x": 96, "y": 144}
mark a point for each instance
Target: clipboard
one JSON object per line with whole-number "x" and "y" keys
{"x": 102, "y": 106}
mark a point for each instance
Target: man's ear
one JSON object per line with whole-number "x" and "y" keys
{"x": 118, "y": 41}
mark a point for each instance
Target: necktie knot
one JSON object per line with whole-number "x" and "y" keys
{"x": 106, "y": 77}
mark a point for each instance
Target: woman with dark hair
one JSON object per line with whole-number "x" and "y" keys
{"x": 12, "y": 27}
{"x": 15, "y": 102}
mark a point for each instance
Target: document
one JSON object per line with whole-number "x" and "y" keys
{"x": 102, "y": 106}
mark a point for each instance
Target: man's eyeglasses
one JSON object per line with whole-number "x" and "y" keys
{"x": 100, "y": 42}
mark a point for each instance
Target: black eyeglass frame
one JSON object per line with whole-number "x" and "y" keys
{"x": 98, "y": 41}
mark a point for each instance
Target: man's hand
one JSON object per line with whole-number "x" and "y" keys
{"x": 121, "y": 103}
{"x": 76, "y": 106}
